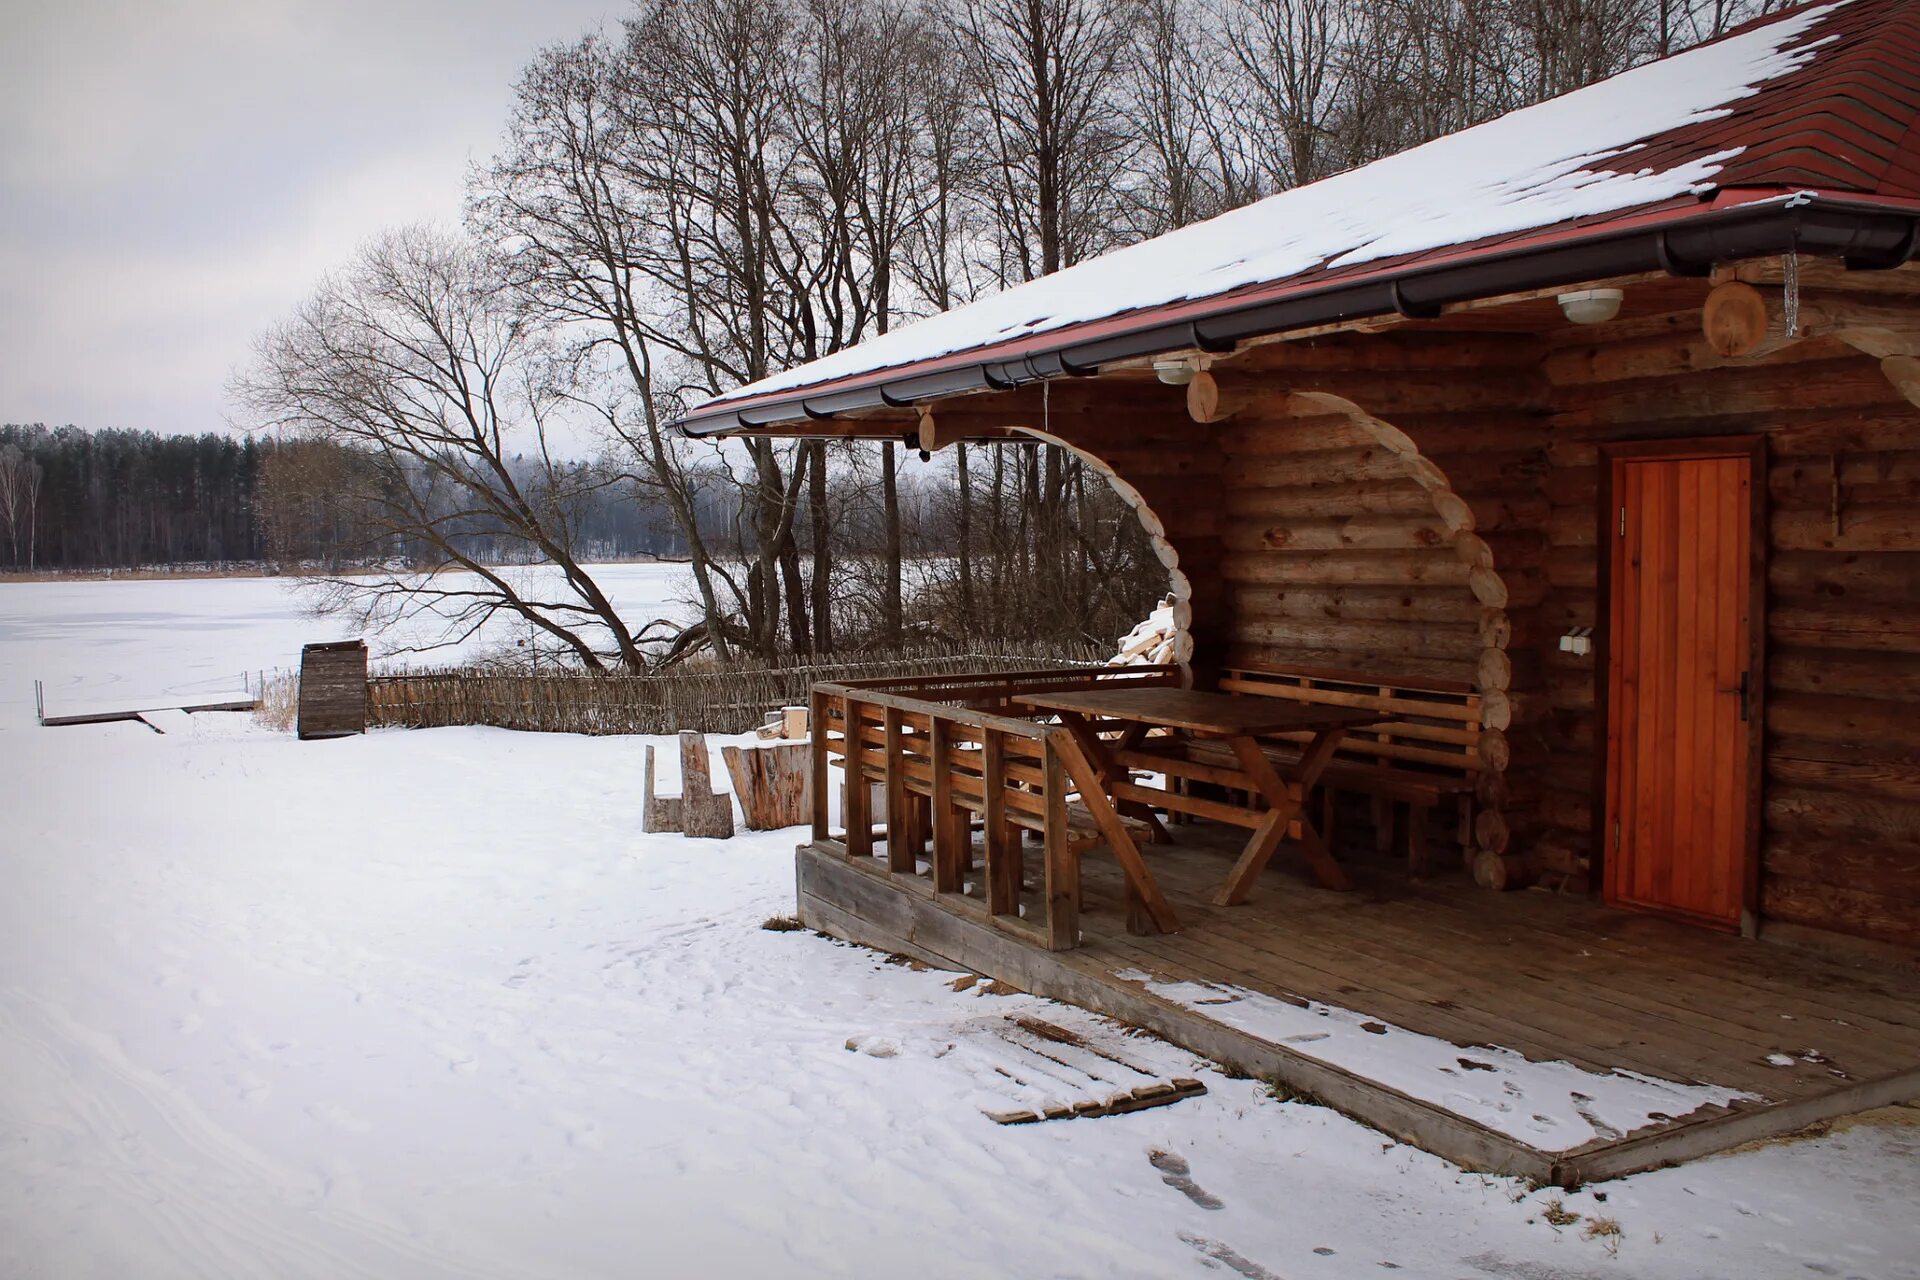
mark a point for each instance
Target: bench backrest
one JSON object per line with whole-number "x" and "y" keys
{"x": 1431, "y": 726}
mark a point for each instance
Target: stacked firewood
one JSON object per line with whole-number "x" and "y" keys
{"x": 1151, "y": 642}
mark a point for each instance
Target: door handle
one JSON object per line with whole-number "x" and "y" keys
{"x": 1744, "y": 693}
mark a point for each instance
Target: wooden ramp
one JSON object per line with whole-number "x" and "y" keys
{"x": 1531, "y": 981}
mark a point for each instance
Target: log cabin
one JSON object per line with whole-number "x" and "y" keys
{"x": 1574, "y": 460}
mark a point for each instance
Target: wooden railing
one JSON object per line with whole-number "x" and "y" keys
{"x": 950, "y": 752}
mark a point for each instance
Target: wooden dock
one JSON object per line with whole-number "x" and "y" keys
{"x": 133, "y": 713}
{"x": 1554, "y": 978}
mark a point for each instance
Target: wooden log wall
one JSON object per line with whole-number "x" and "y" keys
{"x": 1840, "y": 848}
{"x": 1423, "y": 501}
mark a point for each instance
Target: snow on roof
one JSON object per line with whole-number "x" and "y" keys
{"x": 1571, "y": 157}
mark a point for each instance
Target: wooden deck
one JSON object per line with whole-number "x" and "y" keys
{"x": 1551, "y": 977}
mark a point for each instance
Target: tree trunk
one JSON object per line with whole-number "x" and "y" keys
{"x": 891, "y": 610}
{"x": 966, "y": 540}
{"x": 822, "y": 549}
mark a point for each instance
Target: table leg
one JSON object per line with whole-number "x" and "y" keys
{"x": 1092, "y": 787}
{"x": 1286, "y": 800}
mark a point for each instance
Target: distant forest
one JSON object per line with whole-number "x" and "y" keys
{"x": 74, "y": 499}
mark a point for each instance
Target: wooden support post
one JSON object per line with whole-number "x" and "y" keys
{"x": 822, "y": 807}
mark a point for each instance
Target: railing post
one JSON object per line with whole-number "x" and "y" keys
{"x": 817, "y": 723}
{"x": 1062, "y": 865}
{"x": 951, "y": 834}
{"x": 1003, "y": 842}
{"x": 858, "y": 806}
{"x": 900, "y": 854}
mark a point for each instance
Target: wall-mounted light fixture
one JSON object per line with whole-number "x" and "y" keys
{"x": 1175, "y": 371}
{"x": 1591, "y": 306}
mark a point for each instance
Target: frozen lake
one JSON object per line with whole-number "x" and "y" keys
{"x": 145, "y": 642}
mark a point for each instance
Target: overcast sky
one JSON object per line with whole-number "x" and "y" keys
{"x": 174, "y": 174}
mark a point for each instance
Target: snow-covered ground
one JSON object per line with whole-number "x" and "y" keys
{"x": 430, "y": 1004}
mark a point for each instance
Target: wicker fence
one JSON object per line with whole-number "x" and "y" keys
{"x": 729, "y": 701}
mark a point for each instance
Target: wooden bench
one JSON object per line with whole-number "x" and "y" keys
{"x": 1423, "y": 754}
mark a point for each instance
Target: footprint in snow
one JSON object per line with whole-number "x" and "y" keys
{"x": 1218, "y": 1255}
{"x": 459, "y": 1061}
{"x": 1177, "y": 1173}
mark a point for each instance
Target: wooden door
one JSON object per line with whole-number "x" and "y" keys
{"x": 1683, "y": 684}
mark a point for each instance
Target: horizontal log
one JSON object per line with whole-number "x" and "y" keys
{"x": 1557, "y": 853}
{"x": 1376, "y": 603}
{"x": 1880, "y": 628}
{"x": 1258, "y": 436}
{"x": 1841, "y": 814}
{"x": 1823, "y": 905}
{"x": 1357, "y": 532}
{"x": 1422, "y": 391}
{"x": 1672, "y": 355}
{"x": 1882, "y": 869}
{"x": 1387, "y": 664}
{"x": 1189, "y": 464}
{"x": 1421, "y": 639}
{"x": 1867, "y": 722}
{"x": 1572, "y": 688}
{"x": 1713, "y": 394}
{"x": 1860, "y": 528}
{"x": 1820, "y": 577}
{"x": 1371, "y": 464}
{"x": 1336, "y": 567}
{"x": 1576, "y": 568}
{"x": 1850, "y": 674}
{"x": 1865, "y": 479}
{"x": 1574, "y": 527}
{"x": 1817, "y": 433}
{"x": 1789, "y": 766}
{"x": 1401, "y": 496}
{"x": 1503, "y": 510}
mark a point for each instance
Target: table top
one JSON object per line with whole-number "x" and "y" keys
{"x": 1206, "y": 714}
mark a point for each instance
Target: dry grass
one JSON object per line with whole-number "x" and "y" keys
{"x": 279, "y": 705}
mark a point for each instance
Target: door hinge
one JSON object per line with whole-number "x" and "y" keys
{"x": 1616, "y": 837}
{"x": 1623, "y": 522}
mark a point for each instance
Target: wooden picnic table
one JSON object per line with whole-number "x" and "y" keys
{"x": 1238, "y": 722}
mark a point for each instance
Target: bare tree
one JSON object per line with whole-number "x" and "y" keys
{"x": 416, "y": 358}
{"x": 573, "y": 228}
{"x": 1044, "y": 72}
{"x": 19, "y": 499}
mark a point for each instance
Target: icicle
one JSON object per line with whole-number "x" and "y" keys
{"x": 1793, "y": 294}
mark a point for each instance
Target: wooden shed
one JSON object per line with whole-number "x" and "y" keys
{"x": 333, "y": 690}
{"x": 1575, "y": 461}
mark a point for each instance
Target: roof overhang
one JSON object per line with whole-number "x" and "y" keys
{"x": 1681, "y": 238}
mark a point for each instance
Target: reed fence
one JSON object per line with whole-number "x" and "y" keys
{"x": 731, "y": 700}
